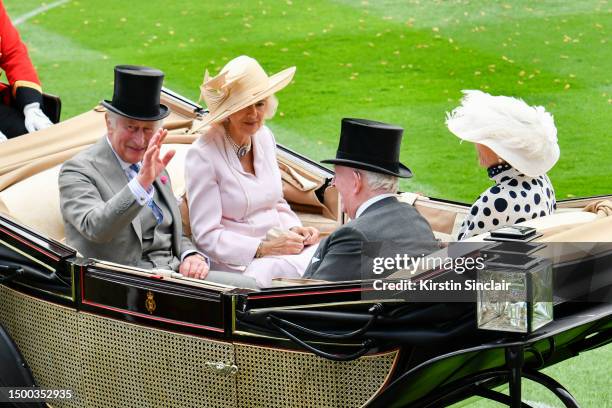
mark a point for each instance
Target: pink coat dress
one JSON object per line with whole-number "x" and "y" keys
{"x": 231, "y": 210}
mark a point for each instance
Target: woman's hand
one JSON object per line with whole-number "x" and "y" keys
{"x": 288, "y": 243}
{"x": 310, "y": 234}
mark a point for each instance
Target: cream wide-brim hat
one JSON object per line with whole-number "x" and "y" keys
{"x": 241, "y": 82}
{"x": 522, "y": 135}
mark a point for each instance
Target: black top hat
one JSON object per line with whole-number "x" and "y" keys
{"x": 137, "y": 92}
{"x": 369, "y": 145}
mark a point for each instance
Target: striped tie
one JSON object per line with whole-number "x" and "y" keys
{"x": 157, "y": 212}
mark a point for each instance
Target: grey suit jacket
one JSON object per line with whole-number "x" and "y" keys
{"x": 101, "y": 214}
{"x": 339, "y": 256}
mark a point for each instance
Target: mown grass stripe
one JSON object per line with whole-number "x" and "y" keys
{"x": 45, "y": 7}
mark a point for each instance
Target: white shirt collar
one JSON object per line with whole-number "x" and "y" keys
{"x": 124, "y": 165}
{"x": 364, "y": 206}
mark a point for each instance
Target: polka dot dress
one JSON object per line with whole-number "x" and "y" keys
{"x": 514, "y": 198}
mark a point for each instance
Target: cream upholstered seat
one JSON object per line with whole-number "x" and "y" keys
{"x": 34, "y": 202}
{"x": 552, "y": 224}
{"x": 176, "y": 167}
{"x": 445, "y": 219}
{"x": 561, "y": 219}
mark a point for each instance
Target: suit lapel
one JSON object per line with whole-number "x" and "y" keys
{"x": 319, "y": 254}
{"x": 107, "y": 165}
{"x": 167, "y": 195}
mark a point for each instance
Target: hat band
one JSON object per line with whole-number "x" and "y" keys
{"x": 235, "y": 92}
{"x": 234, "y": 100}
{"x": 386, "y": 164}
{"x": 136, "y": 109}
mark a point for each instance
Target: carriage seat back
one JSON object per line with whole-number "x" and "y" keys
{"x": 34, "y": 202}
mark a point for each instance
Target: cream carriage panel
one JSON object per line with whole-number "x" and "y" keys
{"x": 48, "y": 337}
{"x": 112, "y": 363}
{"x": 281, "y": 378}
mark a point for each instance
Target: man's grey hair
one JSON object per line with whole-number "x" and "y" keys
{"x": 382, "y": 183}
{"x": 113, "y": 117}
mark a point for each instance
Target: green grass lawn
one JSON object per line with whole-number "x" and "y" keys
{"x": 587, "y": 377}
{"x": 403, "y": 62}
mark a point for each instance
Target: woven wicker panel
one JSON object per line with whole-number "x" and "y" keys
{"x": 125, "y": 365}
{"x": 47, "y": 336}
{"x": 278, "y": 378}
{"x": 108, "y": 363}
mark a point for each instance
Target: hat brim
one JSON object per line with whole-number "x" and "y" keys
{"x": 530, "y": 166}
{"x": 404, "y": 172}
{"x": 276, "y": 82}
{"x": 164, "y": 111}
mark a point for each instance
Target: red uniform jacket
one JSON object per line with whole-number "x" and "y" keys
{"x": 15, "y": 62}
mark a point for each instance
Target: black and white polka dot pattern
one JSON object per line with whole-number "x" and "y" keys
{"x": 514, "y": 198}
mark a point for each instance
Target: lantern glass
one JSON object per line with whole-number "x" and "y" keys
{"x": 504, "y": 310}
{"x": 525, "y": 302}
{"x": 542, "y": 288}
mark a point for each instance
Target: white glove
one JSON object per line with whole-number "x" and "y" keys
{"x": 35, "y": 119}
{"x": 2, "y": 137}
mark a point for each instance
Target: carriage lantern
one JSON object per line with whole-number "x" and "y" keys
{"x": 519, "y": 291}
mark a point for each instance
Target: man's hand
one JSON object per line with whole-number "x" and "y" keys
{"x": 152, "y": 163}
{"x": 194, "y": 266}
{"x": 35, "y": 119}
{"x": 310, "y": 234}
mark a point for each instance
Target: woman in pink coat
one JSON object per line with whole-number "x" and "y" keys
{"x": 237, "y": 211}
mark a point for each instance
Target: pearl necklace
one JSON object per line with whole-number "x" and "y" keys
{"x": 240, "y": 151}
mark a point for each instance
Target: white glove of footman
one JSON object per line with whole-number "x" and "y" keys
{"x": 2, "y": 137}
{"x": 35, "y": 119}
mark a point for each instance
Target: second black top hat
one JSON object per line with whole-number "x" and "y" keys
{"x": 370, "y": 145}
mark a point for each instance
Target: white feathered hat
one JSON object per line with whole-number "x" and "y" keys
{"x": 524, "y": 136}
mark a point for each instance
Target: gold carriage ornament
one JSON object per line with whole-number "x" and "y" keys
{"x": 526, "y": 302}
{"x": 150, "y": 302}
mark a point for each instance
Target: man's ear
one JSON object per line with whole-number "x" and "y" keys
{"x": 357, "y": 182}
{"x": 108, "y": 121}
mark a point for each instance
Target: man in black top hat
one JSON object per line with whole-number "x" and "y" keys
{"x": 116, "y": 197}
{"x": 367, "y": 169}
